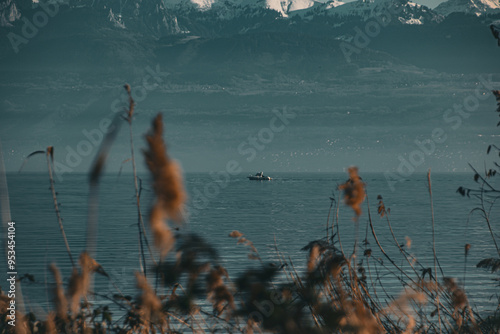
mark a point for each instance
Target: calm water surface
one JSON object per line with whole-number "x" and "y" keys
{"x": 291, "y": 210}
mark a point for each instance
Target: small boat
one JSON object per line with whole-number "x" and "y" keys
{"x": 259, "y": 177}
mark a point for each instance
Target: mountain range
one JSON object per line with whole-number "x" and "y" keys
{"x": 289, "y": 36}
{"x": 168, "y": 10}
{"x": 335, "y": 7}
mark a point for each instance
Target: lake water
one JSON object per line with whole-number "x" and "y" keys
{"x": 292, "y": 209}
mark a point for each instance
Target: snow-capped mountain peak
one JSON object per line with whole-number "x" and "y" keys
{"x": 196, "y": 4}
{"x": 407, "y": 11}
{"x": 476, "y": 7}
{"x": 286, "y": 6}
{"x": 281, "y": 6}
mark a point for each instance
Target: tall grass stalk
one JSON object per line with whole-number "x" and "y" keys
{"x": 380, "y": 246}
{"x": 434, "y": 249}
{"x": 332, "y": 200}
{"x": 384, "y": 212}
{"x": 482, "y": 209}
{"x": 50, "y": 161}
{"x": 140, "y": 223}
{"x": 4, "y": 202}
{"x": 335, "y": 225}
{"x": 49, "y": 155}
{"x": 95, "y": 174}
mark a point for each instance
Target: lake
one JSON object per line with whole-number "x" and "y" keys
{"x": 288, "y": 212}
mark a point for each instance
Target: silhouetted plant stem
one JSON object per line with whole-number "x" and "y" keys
{"x": 466, "y": 251}
{"x": 50, "y": 159}
{"x": 399, "y": 246}
{"x": 337, "y": 226}
{"x": 335, "y": 217}
{"x": 387, "y": 256}
{"x": 328, "y": 218}
{"x": 378, "y": 243}
{"x": 434, "y": 247}
{"x": 140, "y": 221}
{"x": 487, "y": 218}
{"x": 95, "y": 173}
{"x": 4, "y": 203}
{"x": 483, "y": 179}
{"x": 482, "y": 191}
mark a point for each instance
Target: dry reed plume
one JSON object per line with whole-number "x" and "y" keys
{"x": 218, "y": 293}
{"x": 150, "y": 306}
{"x": 59, "y": 298}
{"x": 354, "y": 191}
{"x": 167, "y": 185}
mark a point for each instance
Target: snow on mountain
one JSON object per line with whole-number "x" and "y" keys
{"x": 301, "y": 4}
{"x": 281, "y": 6}
{"x": 195, "y": 4}
{"x": 317, "y": 8}
{"x": 116, "y": 19}
{"x": 475, "y": 7}
{"x": 286, "y": 6}
{"x": 406, "y": 12}
{"x": 151, "y": 16}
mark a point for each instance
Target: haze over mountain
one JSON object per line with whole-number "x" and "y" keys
{"x": 365, "y": 79}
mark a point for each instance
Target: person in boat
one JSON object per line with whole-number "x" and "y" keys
{"x": 261, "y": 174}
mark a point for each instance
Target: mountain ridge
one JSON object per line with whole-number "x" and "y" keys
{"x": 125, "y": 36}
{"x": 473, "y": 7}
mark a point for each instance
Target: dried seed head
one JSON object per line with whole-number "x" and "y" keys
{"x": 168, "y": 187}
{"x": 313, "y": 258}
{"x": 359, "y": 318}
{"x": 60, "y": 301}
{"x": 408, "y": 242}
{"x": 458, "y": 296}
{"x": 354, "y": 191}
{"x": 50, "y": 152}
{"x": 163, "y": 236}
{"x": 148, "y": 301}
{"x": 217, "y": 291}
{"x": 167, "y": 178}
{"x": 79, "y": 282}
{"x": 50, "y": 325}
{"x": 235, "y": 234}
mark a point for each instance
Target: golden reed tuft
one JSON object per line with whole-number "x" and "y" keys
{"x": 149, "y": 303}
{"x": 167, "y": 184}
{"x": 314, "y": 254}
{"x": 354, "y": 191}
{"x": 218, "y": 293}
{"x": 163, "y": 237}
{"x": 359, "y": 318}
{"x": 50, "y": 324}
{"x": 79, "y": 282}
{"x": 59, "y": 298}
